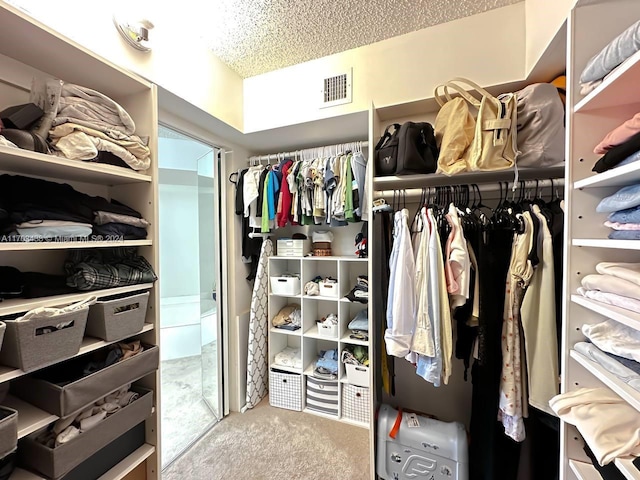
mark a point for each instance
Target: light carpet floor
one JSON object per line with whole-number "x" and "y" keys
{"x": 268, "y": 443}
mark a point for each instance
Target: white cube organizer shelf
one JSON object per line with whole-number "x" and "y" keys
{"x": 315, "y": 337}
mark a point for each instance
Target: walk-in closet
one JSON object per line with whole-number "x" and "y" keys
{"x": 307, "y": 240}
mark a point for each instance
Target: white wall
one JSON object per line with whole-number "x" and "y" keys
{"x": 488, "y": 48}
{"x": 543, "y": 19}
{"x": 177, "y": 62}
{"x": 179, "y": 245}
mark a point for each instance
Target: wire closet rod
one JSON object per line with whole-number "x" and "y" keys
{"x": 308, "y": 152}
{"x": 483, "y": 187}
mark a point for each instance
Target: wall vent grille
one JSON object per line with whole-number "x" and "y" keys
{"x": 336, "y": 90}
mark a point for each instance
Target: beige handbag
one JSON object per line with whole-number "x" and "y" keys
{"x": 455, "y": 128}
{"x": 494, "y": 144}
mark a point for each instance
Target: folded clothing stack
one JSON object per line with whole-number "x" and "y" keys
{"x": 289, "y": 357}
{"x": 288, "y": 318}
{"x": 360, "y": 293}
{"x": 615, "y": 284}
{"x": 626, "y": 370}
{"x": 35, "y": 209}
{"x": 91, "y": 126}
{"x": 326, "y": 366}
{"x": 623, "y": 208}
{"x": 609, "y": 425}
{"x": 359, "y": 326}
{"x": 66, "y": 429}
{"x": 331, "y": 319}
{"x": 94, "y": 269}
{"x": 611, "y": 56}
{"x": 621, "y": 146}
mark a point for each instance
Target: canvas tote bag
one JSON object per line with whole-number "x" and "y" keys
{"x": 494, "y": 145}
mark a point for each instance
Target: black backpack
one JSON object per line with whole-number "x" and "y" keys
{"x": 411, "y": 148}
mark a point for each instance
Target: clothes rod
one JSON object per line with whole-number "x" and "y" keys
{"x": 506, "y": 188}
{"x": 326, "y": 150}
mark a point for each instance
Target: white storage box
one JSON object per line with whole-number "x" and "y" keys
{"x": 356, "y": 404}
{"x": 436, "y": 450}
{"x": 285, "y": 285}
{"x": 285, "y": 390}
{"x": 328, "y": 289}
{"x": 357, "y": 375}
{"x": 287, "y": 247}
{"x": 329, "y": 331}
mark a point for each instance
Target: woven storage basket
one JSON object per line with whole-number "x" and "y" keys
{"x": 322, "y": 249}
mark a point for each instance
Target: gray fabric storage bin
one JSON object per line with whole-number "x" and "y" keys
{"x": 66, "y": 400}
{"x": 56, "y": 462}
{"x": 23, "y": 349}
{"x": 108, "y": 319}
{"x": 8, "y": 431}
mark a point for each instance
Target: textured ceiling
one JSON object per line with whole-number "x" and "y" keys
{"x": 257, "y": 36}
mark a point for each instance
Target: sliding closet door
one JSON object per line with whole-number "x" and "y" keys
{"x": 190, "y": 334}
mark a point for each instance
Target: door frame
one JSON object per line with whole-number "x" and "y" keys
{"x": 188, "y": 130}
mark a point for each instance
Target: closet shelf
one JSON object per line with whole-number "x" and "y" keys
{"x": 627, "y": 468}
{"x": 618, "y": 88}
{"x": 283, "y": 331}
{"x": 438, "y": 179}
{"x": 126, "y": 466}
{"x": 584, "y": 471}
{"x": 352, "y": 341}
{"x": 313, "y": 333}
{"x": 24, "y": 162}
{"x": 18, "y": 305}
{"x": 616, "y": 177}
{"x": 627, "y": 393}
{"x": 30, "y": 418}
{"x": 284, "y": 296}
{"x": 320, "y": 297}
{"x": 286, "y": 369}
{"x": 620, "y": 315}
{"x": 27, "y": 246}
{"x": 606, "y": 243}
{"x": 355, "y": 423}
{"x": 89, "y": 344}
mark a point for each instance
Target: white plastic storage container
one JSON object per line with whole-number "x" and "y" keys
{"x": 357, "y": 374}
{"x": 329, "y": 331}
{"x": 287, "y": 247}
{"x": 329, "y": 289}
{"x": 285, "y": 285}
{"x": 356, "y": 403}
{"x": 285, "y": 390}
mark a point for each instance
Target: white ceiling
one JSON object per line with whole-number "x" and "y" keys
{"x": 258, "y": 36}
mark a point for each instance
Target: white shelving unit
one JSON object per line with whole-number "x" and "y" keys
{"x": 584, "y": 471}
{"x": 345, "y": 270}
{"x": 27, "y": 49}
{"x": 590, "y": 118}
{"x": 625, "y": 465}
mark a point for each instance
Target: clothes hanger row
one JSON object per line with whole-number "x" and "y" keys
{"x": 310, "y": 153}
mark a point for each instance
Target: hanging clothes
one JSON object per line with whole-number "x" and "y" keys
{"x": 539, "y": 324}
{"x": 257, "y": 358}
{"x": 401, "y": 308}
{"x": 513, "y": 399}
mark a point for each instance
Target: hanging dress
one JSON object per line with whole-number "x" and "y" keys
{"x": 257, "y": 358}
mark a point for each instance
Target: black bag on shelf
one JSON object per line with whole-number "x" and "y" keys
{"x": 411, "y": 148}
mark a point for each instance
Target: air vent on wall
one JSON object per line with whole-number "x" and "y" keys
{"x": 336, "y": 90}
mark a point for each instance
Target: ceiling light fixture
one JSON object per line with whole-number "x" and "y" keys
{"x": 136, "y": 33}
